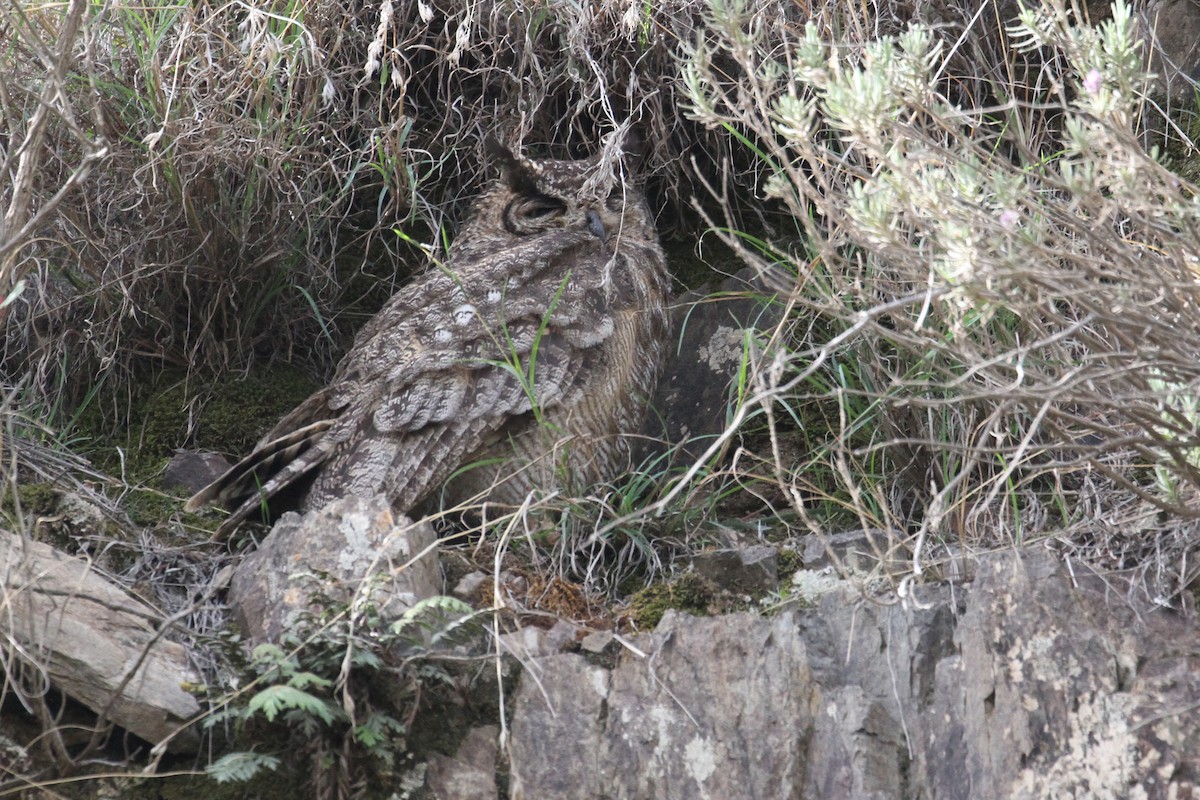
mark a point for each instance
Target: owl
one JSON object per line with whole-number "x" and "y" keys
{"x": 523, "y": 362}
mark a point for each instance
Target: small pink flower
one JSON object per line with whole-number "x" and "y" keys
{"x": 1093, "y": 82}
{"x": 1009, "y": 219}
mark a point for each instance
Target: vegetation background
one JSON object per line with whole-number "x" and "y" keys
{"x": 980, "y": 231}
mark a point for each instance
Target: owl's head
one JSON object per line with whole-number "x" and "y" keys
{"x": 536, "y": 197}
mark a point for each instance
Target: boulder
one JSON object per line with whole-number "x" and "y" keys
{"x": 353, "y": 549}
{"x": 711, "y": 330}
{"x": 1171, "y": 31}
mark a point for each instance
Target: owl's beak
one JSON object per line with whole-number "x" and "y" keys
{"x": 595, "y": 225}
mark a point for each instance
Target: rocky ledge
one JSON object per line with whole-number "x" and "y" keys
{"x": 1036, "y": 680}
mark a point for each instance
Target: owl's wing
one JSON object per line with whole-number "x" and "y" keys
{"x": 433, "y": 378}
{"x": 408, "y": 439}
{"x": 441, "y": 372}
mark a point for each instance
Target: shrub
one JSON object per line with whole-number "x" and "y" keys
{"x": 1006, "y": 332}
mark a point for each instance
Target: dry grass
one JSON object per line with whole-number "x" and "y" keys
{"x": 252, "y": 162}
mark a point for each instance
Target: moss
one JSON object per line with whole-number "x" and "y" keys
{"x": 39, "y": 499}
{"x": 238, "y": 414}
{"x": 173, "y": 412}
{"x": 150, "y": 507}
{"x": 39, "y": 514}
{"x": 790, "y": 562}
{"x": 267, "y": 785}
{"x": 135, "y": 438}
{"x": 688, "y": 592}
{"x": 231, "y": 417}
{"x": 55, "y": 516}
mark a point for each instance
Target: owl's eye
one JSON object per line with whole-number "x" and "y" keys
{"x": 538, "y": 207}
{"x": 616, "y": 200}
{"x": 530, "y": 213}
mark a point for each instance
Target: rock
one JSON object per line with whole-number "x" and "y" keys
{"x": 692, "y": 397}
{"x": 682, "y": 723}
{"x": 513, "y": 584}
{"x": 193, "y": 471}
{"x": 330, "y": 553}
{"x": 753, "y": 570}
{"x": 855, "y": 551}
{"x": 563, "y": 635}
{"x": 1034, "y": 681}
{"x": 525, "y": 644}
{"x": 471, "y": 773}
{"x": 808, "y": 586}
{"x": 1171, "y": 28}
{"x": 83, "y": 517}
{"x": 529, "y": 641}
{"x": 471, "y": 583}
{"x": 96, "y": 642}
{"x": 597, "y": 642}
{"x": 881, "y": 552}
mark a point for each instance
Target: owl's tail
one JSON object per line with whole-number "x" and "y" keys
{"x": 273, "y": 466}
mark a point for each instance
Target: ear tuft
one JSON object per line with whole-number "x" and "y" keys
{"x": 518, "y": 173}
{"x": 497, "y": 151}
